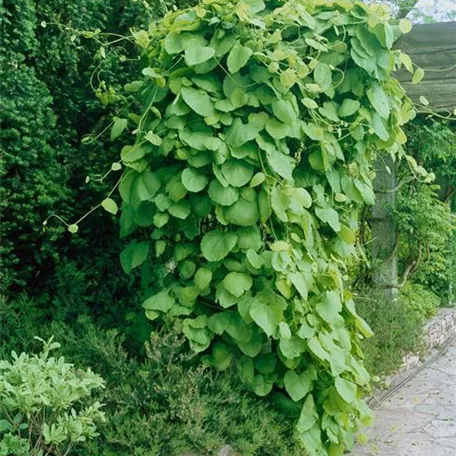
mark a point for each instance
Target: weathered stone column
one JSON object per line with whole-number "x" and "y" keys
{"x": 384, "y": 236}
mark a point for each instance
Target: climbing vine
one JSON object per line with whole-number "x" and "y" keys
{"x": 255, "y": 127}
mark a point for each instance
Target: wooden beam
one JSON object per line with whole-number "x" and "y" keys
{"x": 433, "y": 48}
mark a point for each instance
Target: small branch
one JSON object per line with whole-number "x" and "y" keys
{"x": 363, "y": 222}
{"x": 451, "y": 191}
{"x": 398, "y": 186}
{"x": 411, "y": 268}
{"x": 393, "y": 252}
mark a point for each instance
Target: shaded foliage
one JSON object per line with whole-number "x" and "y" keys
{"x": 162, "y": 403}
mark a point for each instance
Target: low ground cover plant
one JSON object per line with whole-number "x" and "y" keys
{"x": 45, "y": 404}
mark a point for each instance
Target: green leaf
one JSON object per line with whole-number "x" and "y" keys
{"x": 139, "y": 186}
{"x": 197, "y": 332}
{"x": 264, "y": 206}
{"x": 261, "y": 386}
{"x": 282, "y": 164}
{"x": 317, "y": 349}
{"x": 161, "y": 219}
{"x": 238, "y": 57}
{"x": 366, "y": 192}
{"x": 202, "y": 278}
{"x": 253, "y": 347}
{"x": 173, "y": 43}
{"x": 418, "y": 76}
{"x": 118, "y": 127}
{"x": 254, "y": 259}
{"x": 365, "y": 329}
{"x": 302, "y": 196}
{"x": 348, "y": 107}
{"x": 424, "y": 101}
{"x": 239, "y": 330}
{"x": 405, "y": 25}
{"x": 348, "y": 235}
{"x": 288, "y": 78}
{"x": 406, "y": 61}
{"x": 330, "y": 307}
{"x": 198, "y": 100}
{"x": 110, "y": 206}
{"x": 330, "y": 216}
{"x": 313, "y": 131}
{"x": 238, "y": 133}
{"x": 244, "y": 211}
{"x": 237, "y": 172}
{"x": 246, "y": 369}
{"x": 216, "y": 245}
{"x": 249, "y": 237}
{"x": 322, "y": 76}
{"x": 346, "y": 389}
{"x": 266, "y": 363}
{"x": 297, "y": 385}
{"x": 380, "y": 127}
{"x": 195, "y": 55}
{"x": 221, "y": 356}
{"x": 292, "y": 347}
{"x": 194, "y": 180}
{"x": 284, "y": 111}
{"x": 226, "y": 196}
{"x": 329, "y": 110}
{"x": 134, "y": 255}
{"x": 308, "y": 416}
{"x": 267, "y": 311}
{"x": 257, "y": 179}
{"x": 280, "y": 202}
{"x": 276, "y": 129}
{"x": 309, "y": 103}
{"x": 180, "y": 210}
{"x": 161, "y": 301}
{"x": 379, "y": 100}
{"x": 237, "y": 283}
{"x": 153, "y": 138}
{"x": 219, "y": 322}
{"x": 299, "y": 282}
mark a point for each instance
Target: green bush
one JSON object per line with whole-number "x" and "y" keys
{"x": 45, "y": 405}
{"x": 162, "y": 403}
{"x": 28, "y": 192}
{"x": 424, "y": 213}
{"x": 419, "y": 300}
{"x": 397, "y": 330}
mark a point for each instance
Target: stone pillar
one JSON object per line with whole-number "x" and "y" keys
{"x": 384, "y": 236}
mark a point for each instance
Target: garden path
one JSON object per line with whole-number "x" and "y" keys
{"x": 419, "y": 419}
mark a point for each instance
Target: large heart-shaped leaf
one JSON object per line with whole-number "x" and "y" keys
{"x": 216, "y": 245}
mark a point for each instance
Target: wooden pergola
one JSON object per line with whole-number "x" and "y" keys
{"x": 431, "y": 47}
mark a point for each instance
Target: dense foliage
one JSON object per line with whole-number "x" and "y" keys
{"x": 255, "y": 127}
{"x": 424, "y": 213}
{"x": 162, "y": 403}
{"x": 48, "y": 106}
{"x": 46, "y": 405}
{"x": 397, "y": 327}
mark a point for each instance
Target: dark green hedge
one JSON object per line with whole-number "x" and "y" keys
{"x": 48, "y": 106}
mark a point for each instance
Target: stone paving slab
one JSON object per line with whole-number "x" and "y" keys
{"x": 419, "y": 419}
